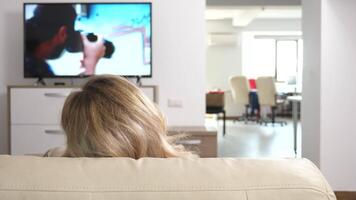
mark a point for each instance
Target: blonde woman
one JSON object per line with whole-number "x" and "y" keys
{"x": 111, "y": 117}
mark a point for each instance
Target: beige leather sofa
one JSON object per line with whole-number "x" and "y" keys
{"x": 37, "y": 178}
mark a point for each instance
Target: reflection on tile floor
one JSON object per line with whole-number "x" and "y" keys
{"x": 254, "y": 140}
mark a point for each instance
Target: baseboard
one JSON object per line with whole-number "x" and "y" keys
{"x": 341, "y": 195}
{"x": 230, "y": 117}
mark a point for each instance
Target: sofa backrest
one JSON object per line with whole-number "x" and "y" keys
{"x": 37, "y": 178}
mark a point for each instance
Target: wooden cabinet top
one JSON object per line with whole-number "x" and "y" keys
{"x": 63, "y": 86}
{"x": 194, "y": 130}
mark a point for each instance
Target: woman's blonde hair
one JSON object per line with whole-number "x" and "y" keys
{"x": 111, "y": 117}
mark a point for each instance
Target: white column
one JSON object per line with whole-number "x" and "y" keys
{"x": 310, "y": 115}
{"x": 329, "y": 87}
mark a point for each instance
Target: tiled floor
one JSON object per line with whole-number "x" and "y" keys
{"x": 253, "y": 140}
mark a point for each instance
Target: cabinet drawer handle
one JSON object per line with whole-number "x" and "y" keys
{"x": 56, "y": 95}
{"x": 54, "y": 132}
{"x": 189, "y": 142}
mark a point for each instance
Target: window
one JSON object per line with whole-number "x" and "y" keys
{"x": 286, "y": 60}
{"x": 278, "y": 55}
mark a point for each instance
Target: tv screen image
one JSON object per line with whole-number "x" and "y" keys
{"x": 70, "y": 40}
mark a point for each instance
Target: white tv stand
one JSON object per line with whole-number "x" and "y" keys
{"x": 34, "y": 116}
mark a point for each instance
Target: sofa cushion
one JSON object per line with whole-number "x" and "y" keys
{"x": 153, "y": 178}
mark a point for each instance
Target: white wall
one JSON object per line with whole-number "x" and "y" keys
{"x": 333, "y": 127}
{"x": 338, "y": 93}
{"x": 224, "y": 61}
{"x": 178, "y": 59}
{"x": 10, "y": 60}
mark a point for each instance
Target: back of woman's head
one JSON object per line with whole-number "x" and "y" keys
{"x": 111, "y": 117}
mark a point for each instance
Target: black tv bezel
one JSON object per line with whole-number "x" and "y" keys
{"x": 85, "y": 76}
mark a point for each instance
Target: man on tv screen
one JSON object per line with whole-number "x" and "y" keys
{"x": 48, "y": 33}
{"x": 63, "y": 39}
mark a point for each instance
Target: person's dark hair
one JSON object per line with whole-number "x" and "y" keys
{"x": 46, "y": 22}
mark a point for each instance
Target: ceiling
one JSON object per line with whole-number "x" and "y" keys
{"x": 253, "y": 2}
{"x": 242, "y": 16}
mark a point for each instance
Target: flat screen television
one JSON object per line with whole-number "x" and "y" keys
{"x": 84, "y": 39}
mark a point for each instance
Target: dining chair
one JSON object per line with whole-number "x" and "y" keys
{"x": 240, "y": 93}
{"x": 267, "y": 97}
